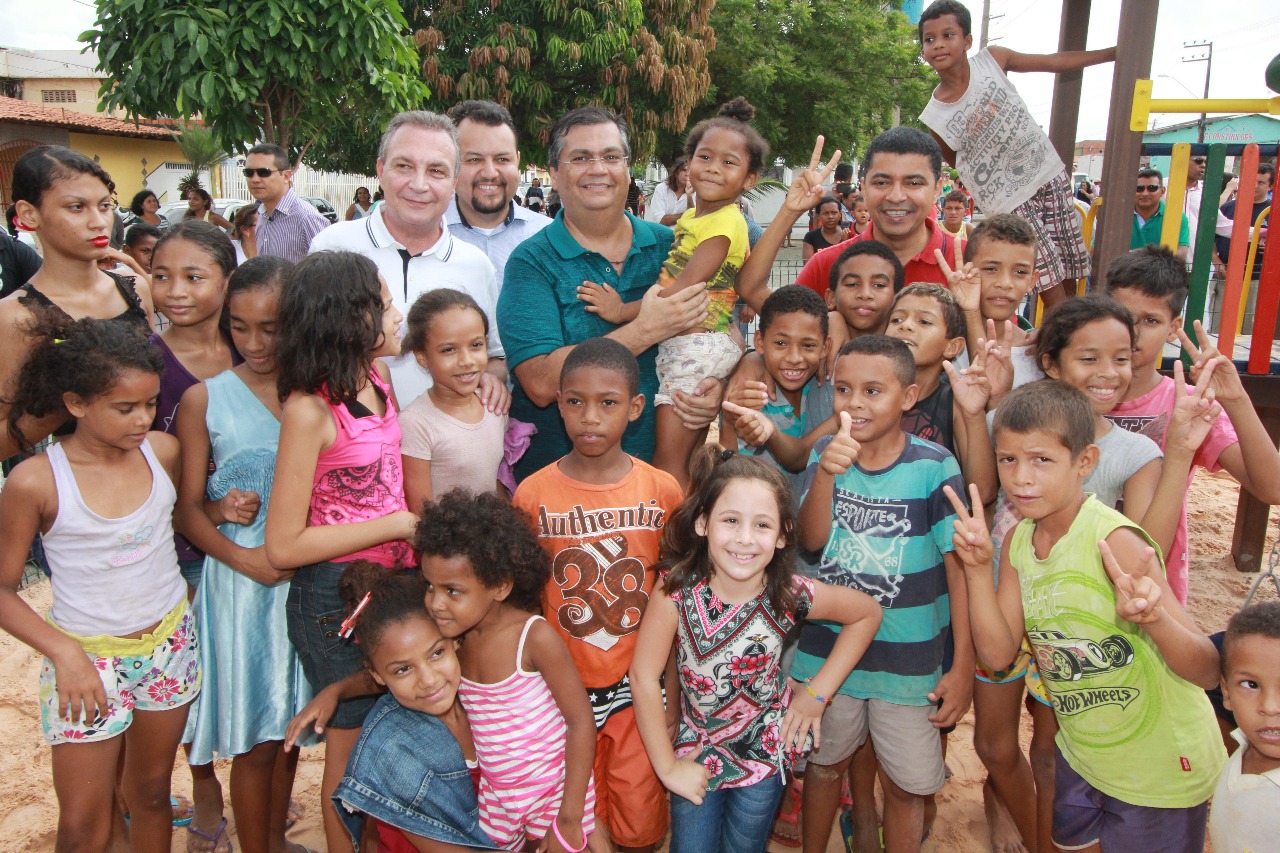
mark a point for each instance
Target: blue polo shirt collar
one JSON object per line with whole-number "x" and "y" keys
{"x": 568, "y": 247}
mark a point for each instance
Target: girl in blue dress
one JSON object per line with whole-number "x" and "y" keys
{"x": 254, "y": 683}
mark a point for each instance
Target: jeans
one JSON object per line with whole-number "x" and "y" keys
{"x": 730, "y": 820}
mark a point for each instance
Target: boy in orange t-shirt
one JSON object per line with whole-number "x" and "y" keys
{"x": 599, "y": 513}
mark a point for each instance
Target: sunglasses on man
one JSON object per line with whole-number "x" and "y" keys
{"x": 1150, "y": 188}
{"x": 262, "y": 172}
{"x": 1199, "y": 161}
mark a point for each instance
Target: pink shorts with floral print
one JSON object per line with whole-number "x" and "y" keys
{"x": 165, "y": 678}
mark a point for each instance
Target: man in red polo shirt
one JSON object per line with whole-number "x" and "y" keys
{"x": 903, "y": 170}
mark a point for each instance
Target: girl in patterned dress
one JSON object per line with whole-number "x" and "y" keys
{"x": 729, "y": 599}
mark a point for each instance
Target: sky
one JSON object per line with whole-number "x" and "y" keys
{"x": 1245, "y": 33}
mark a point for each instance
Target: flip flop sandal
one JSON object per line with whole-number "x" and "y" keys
{"x": 174, "y": 805}
{"x": 786, "y": 824}
{"x": 213, "y": 838}
{"x": 184, "y": 820}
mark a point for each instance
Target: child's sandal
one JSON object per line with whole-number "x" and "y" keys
{"x": 786, "y": 823}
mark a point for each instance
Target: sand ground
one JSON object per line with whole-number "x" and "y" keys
{"x": 28, "y": 810}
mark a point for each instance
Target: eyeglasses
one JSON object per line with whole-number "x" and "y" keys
{"x": 262, "y": 172}
{"x": 609, "y": 161}
{"x": 1199, "y": 161}
{"x": 1150, "y": 188}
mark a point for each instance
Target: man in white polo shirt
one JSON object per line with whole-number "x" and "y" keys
{"x": 483, "y": 212}
{"x": 406, "y": 237}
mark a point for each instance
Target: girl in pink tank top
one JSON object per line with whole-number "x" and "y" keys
{"x": 530, "y": 719}
{"x": 338, "y": 491}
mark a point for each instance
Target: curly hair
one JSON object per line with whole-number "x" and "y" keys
{"x": 497, "y": 539}
{"x": 430, "y": 305}
{"x": 139, "y": 197}
{"x": 684, "y": 551}
{"x": 736, "y": 115}
{"x": 82, "y": 357}
{"x": 394, "y": 597}
{"x": 1257, "y": 620}
{"x": 330, "y": 323}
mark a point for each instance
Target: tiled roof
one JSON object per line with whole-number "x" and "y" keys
{"x": 25, "y": 112}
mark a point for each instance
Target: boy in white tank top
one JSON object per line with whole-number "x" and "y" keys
{"x": 986, "y": 131}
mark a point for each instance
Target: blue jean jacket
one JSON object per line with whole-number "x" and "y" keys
{"x": 408, "y": 771}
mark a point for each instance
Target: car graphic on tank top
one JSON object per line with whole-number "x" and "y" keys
{"x": 1063, "y": 658}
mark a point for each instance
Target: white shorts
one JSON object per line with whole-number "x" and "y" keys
{"x": 686, "y": 360}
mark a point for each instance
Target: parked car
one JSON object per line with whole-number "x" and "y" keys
{"x": 224, "y": 207}
{"x": 326, "y": 209}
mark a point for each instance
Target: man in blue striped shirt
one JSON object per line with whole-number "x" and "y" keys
{"x": 286, "y": 222}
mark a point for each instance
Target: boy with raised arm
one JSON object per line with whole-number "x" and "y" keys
{"x": 989, "y": 135}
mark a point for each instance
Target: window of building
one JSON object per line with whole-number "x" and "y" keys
{"x": 58, "y": 96}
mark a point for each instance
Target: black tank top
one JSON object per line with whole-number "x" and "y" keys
{"x": 134, "y": 312}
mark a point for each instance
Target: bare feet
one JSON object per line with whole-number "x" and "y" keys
{"x": 1005, "y": 837}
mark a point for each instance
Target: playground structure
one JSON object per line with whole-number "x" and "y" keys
{"x": 1109, "y": 226}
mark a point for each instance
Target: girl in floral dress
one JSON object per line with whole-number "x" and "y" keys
{"x": 728, "y": 600}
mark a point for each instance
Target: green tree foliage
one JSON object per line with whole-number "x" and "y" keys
{"x": 647, "y": 59}
{"x": 835, "y": 67}
{"x": 278, "y": 71}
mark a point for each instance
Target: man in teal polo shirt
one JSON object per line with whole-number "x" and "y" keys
{"x": 1148, "y": 215}
{"x": 592, "y": 239}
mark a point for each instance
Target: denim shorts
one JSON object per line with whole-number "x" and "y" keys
{"x": 192, "y": 570}
{"x": 314, "y": 611}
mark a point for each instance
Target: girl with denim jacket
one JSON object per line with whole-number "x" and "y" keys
{"x": 413, "y": 768}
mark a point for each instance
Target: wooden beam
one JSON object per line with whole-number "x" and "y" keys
{"x": 1136, "y": 39}
{"x": 1066, "y": 85}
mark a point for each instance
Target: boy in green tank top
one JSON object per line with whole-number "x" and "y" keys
{"x": 1125, "y": 666}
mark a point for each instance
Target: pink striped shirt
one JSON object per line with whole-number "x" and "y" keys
{"x": 519, "y": 736}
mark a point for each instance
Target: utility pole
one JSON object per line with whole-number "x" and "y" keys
{"x": 1207, "y": 59}
{"x": 987, "y": 18}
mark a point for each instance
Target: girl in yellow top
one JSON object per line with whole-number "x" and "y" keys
{"x": 726, "y": 155}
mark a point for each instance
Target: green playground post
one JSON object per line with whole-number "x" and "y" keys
{"x": 1202, "y": 257}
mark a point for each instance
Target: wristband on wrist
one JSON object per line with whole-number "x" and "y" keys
{"x": 808, "y": 686}
{"x": 555, "y": 827}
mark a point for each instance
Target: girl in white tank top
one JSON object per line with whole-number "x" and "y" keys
{"x": 120, "y": 664}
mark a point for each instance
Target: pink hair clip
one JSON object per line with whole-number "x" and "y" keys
{"x": 349, "y": 624}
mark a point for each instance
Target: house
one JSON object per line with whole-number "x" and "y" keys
{"x": 134, "y": 154}
{"x": 67, "y": 79}
{"x": 1234, "y": 130}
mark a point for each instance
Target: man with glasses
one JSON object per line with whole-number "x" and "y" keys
{"x": 594, "y": 240}
{"x": 1262, "y": 186}
{"x": 1148, "y": 215}
{"x": 407, "y": 238}
{"x": 1195, "y": 192}
{"x": 286, "y": 222}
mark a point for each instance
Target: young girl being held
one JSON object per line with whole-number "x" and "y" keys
{"x": 726, "y": 155}
{"x": 450, "y": 438}
{"x": 254, "y": 683}
{"x": 66, "y": 198}
{"x": 729, "y": 600}
{"x": 338, "y": 492}
{"x": 534, "y": 731}
{"x": 120, "y": 650}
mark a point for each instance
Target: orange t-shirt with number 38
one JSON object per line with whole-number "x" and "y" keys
{"x": 603, "y": 542}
